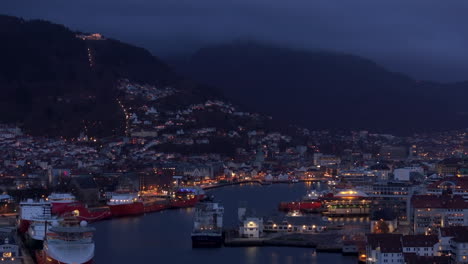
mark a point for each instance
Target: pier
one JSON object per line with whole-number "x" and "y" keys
{"x": 321, "y": 242}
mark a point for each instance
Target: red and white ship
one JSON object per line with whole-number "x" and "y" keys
{"x": 68, "y": 243}
{"x": 309, "y": 203}
{"x": 60, "y": 201}
{"x": 123, "y": 204}
{"x": 29, "y": 210}
{"x": 187, "y": 197}
{"x": 66, "y": 203}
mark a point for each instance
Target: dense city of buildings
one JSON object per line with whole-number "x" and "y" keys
{"x": 415, "y": 187}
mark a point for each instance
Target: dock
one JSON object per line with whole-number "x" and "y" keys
{"x": 321, "y": 242}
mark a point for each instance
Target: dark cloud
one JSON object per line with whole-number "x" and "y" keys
{"x": 425, "y": 38}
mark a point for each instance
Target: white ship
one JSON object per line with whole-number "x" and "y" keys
{"x": 208, "y": 225}
{"x": 32, "y": 209}
{"x": 39, "y": 226}
{"x": 57, "y": 198}
{"x": 68, "y": 243}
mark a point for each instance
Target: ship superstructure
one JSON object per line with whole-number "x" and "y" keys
{"x": 208, "y": 225}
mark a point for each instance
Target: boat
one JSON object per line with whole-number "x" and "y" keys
{"x": 309, "y": 203}
{"x": 208, "y": 225}
{"x": 294, "y": 213}
{"x": 70, "y": 242}
{"x": 82, "y": 212}
{"x": 187, "y": 197}
{"x": 37, "y": 231}
{"x": 38, "y": 228}
{"x": 125, "y": 204}
{"x": 155, "y": 204}
{"x": 60, "y": 201}
{"x": 31, "y": 209}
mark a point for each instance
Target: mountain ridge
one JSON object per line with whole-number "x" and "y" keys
{"x": 344, "y": 91}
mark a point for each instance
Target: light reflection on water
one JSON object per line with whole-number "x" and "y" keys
{"x": 164, "y": 237}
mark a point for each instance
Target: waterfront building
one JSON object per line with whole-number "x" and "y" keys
{"x": 251, "y": 227}
{"x": 384, "y": 248}
{"x": 397, "y": 248}
{"x": 297, "y": 225}
{"x": 394, "y": 196}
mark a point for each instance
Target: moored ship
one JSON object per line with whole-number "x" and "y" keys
{"x": 187, "y": 197}
{"x": 68, "y": 243}
{"x": 29, "y": 210}
{"x": 208, "y": 224}
{"x": 124, "y": 204}
{"x": 82, "y": 212}
{"x": 155, "y": 204}
{"x": 60, "y": 201}
{"x": 37, "y": 231}
{"x": 310, "y": 203}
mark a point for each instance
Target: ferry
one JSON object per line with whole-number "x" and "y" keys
{"x": 125, "y": 204}
{"x": 70, "y": 242}
{"x": 347, "y": 202}
{"x": 29, "y": 210}
{"x": 208, "y": 225}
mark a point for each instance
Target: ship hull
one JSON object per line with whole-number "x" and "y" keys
{"x": 60, "y": 208}
{"x": 305, "y": 206}
{"x": 43, "y": 258}
{"x": 154, "y": 207}
{"x": 183, "y": 203}
{"x": 82, "y": 212}
{"x": 23, "y": 225}
{"x": 200, "y": 241}
{"x": 127, "y": 209}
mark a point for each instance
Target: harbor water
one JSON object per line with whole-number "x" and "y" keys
{"x": 164, "y": 237}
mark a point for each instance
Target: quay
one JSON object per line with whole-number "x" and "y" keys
{"x": 321, "y": 242}
{"x": 257, "y": 181}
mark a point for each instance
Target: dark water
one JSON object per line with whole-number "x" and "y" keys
{"x": 164, "y": 237}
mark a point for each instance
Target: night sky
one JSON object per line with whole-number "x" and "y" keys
{"x": 427, "y": 39}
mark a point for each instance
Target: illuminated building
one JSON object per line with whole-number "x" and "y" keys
{"x": 347, "y": 203}
{"x": 433, "y": 211}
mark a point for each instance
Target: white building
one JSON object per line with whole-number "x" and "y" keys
{"x": 251, "y": 227}
{"x": 433, "y": 211}
{"x": 403, "y": 174}
{"x": 421, "y": 245}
